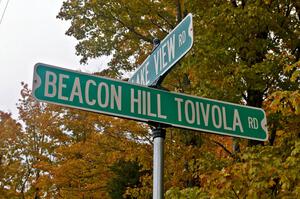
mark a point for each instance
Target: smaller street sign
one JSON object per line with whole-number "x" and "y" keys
{"x": 118, "y": 98}
{"x": 174, "y": 46}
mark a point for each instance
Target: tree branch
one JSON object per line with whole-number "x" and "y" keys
{"x": 132, "y": 29}
{"x": 243, "y": 3}
{"x": 235, "y": 193}
{"x": 171, "y": 25}
{"x": 159, "y": 26}
{"x": 222, "y": 146}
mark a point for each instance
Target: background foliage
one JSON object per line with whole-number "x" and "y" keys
{"x": 245, "y": 51}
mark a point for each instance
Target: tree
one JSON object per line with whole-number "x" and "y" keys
{"x": 97, "y": 142}
{"x": 41, "y": 136}
{"x": 126, "y": 174}
{"x": 244, "y": 51}
{"x": 64, "y": 153}
{"x": 10, "y": 160}
{"x": 124, "y": 29}
{"x": 254, "y": 60}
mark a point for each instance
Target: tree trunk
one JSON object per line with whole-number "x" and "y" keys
{"x": 254, "y": 98}
{"x": 179, "y": 11}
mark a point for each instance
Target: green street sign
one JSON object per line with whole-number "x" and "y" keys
{"x": 118, "y": 98}
{"x": 174, "y": 46}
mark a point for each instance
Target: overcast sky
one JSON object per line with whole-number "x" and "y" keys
{"x": 30, "y": 33}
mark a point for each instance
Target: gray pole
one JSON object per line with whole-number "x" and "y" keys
{"x": 159, "y": 135}
{"x": 158, "y": 162}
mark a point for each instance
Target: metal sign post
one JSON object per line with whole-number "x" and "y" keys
{"x": 158, "y": 162}
{"x": 159, "y": 135}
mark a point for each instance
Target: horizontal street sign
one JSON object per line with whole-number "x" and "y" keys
{"x": 118, "y": 98}
{"x": 174, "y": 46}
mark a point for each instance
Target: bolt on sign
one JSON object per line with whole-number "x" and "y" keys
{"x": 122, "y": 99}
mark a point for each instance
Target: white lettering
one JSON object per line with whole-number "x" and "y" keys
{"x": 205, "y": 113}
{"x": 253, "y": 123}
{"x": 164, "y": 63}
{"x": 149, "y": 105}
{"x": 215, "y": 108}
{"x": 182, "y": 38}
{"x": 76, "y": 91}
{"x": 189, "y": 106}
{"x": 179, "y": 100}
{"x": 137, "y": 78}
{"x": 156, "y": 61}
{"x": 135, "y": 100}
{"x": 49, "y": 83}
{"x": 225, "y": 120}
{"x": 146, "y": 73}
{"x": 171, "y": 48}
{"x": 116, "y": 97}
{"x": 61, "y": 85}
{"x": 142, "y": 75}
{"x": 237, "y": 121}
{"x": 197, "y": 113}
{"x": 106, "y": 95}
{"x": 144, "y": 98}
{"x": 159, "y": 108}
{"x": 87, "y": 90}
{"x": 160, "y": 57}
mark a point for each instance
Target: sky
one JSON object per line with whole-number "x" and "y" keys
{"x": 31, "y": 33}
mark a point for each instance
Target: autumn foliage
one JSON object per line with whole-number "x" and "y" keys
{"x": 244, "y": 52}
